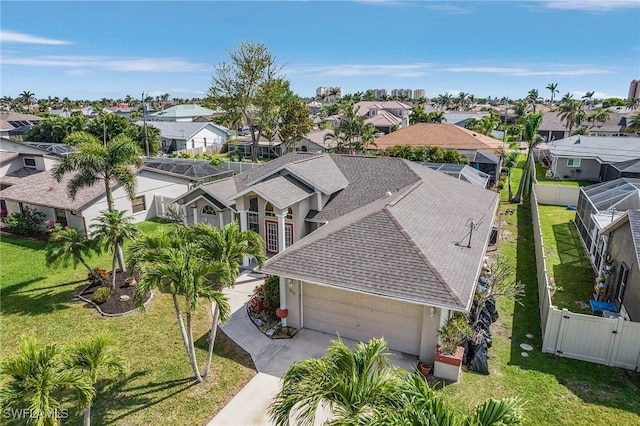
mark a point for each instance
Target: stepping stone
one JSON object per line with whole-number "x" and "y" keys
{"x": 526, "y": 346}
{"x": 124, "y": 298}
{"x": 524, "y": 354}
{"x": 529, "y": 336}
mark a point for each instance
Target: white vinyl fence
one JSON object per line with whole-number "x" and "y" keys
{"x": 556, "y": 195}
{"x": 613, "y": 342}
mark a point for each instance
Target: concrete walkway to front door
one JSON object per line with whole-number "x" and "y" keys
{"x": 272, "y": 358}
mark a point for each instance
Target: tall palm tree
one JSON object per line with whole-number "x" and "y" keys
{"x": 588, "y": 97}
{"x": 531, "y": 125}
{"x": 553, "y": 88}
{"x": 111, "y": 230}
{"x": 69, "y": 246}
{"x": 91, "y": 359}
{"x": 27, "y": 98}
{"x": 183, "y": 272}
{"x": 533, "y": 97}
{"x": 94, "y": 161}
{"x": 33, "y": 379}
{"x": 570, "y": 111}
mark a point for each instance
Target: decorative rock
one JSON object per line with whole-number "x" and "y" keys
{"x": 270, "y": 332}
{"x": 258, "y": 321}
{"x": 529, "y": 336}
{"x": 526, "y": 346}
{"x": 524, "y": 354}
{"x": 124, "y": 298}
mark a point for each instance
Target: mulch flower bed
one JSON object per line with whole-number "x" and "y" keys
{"x": 265, "y": 319}
{"x": 121, "y": 300}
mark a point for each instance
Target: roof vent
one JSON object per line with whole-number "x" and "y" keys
{"x": 388, "y": 194}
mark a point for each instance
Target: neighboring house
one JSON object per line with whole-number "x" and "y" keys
{"x": 314, "y": 141}
{"x": 588, "y": 157}
{"x": 383, "y": 115}
{"x": 187, "y": 112}
{"x": 460, "y": 118}
{"x": 364, "y": 246}
{"x": 598, "y": 206}
{"x": 622, "y": 239}
{"x": 178, "y": 135}
{"x": 624, "y": 169}
{"x": 15, "y": 125}
{"x": 156, "y": 180}
{"x": 553, "y": 128}
{"x": 462, "y": 172}
{"x": 122, "y": 110}
{"x": 480, "y": 150}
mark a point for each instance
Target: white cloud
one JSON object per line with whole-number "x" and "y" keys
{"x": 360, "y": 70}
{"x": 7, "y": 36}
{"x": 534, "y": 70}
{"x": 591, "y": 5}
{"x": 139, "y": 64}
{"x": 578, "y": 94}
{"x": 78, "y": 72}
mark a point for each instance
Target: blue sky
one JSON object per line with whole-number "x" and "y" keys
{"x": 95, "y": 49}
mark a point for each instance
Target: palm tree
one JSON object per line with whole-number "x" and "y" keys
{"x": 531, "y": 124}
{"x": 350, "y": 382}
{"x": 27, "y": 98}
{"x": 33, "y": 379}
{"x": 633, "y": 103}
{"x": 553, "y": 88}
{"x": 436, "y": 117}
{"x": 589, "y": 98}
{"x": 570, "y": 111}
{"x": 183, "y": 272}
{"x": 111, "y": 230}
{"x": 533, "y": 98}
{"x": 362, "y": 388}
{"x": 92, "y": 358}
{"x": 68, "y": 245}
{"x": 602, "y": 115}
{"x": 634, "y": 122}
{"x": 94, "y": 161}
{"x": 227, "y": 246}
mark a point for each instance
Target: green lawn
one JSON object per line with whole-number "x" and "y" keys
{"x": 567, "y": 260}
{"x": 543, "y": 179}
{"x": 516, "y": 175}
{"x": 556, "y": 391}
{"x": 158, "y": 389}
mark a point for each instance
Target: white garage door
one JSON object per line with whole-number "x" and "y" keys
{"x": 361, "y": 317}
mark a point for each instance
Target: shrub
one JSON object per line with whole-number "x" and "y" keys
{"x": 26, "y": 223}
{"x": 101, "y": 294}
{"x": 272, "y": 292}
{"x": 104, "y": 273}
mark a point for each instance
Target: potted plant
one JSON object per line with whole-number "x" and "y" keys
{"x": 425, "y": 368}
{"x": 449, "y": 353}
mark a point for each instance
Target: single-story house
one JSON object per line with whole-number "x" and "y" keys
{"x": 187, "y": 112}
{"x": 588, "y": 157}
{"x": 460, "y": 118}
{"x": 180, "y": 135}
{"x": 622, "y": 240}
{"x": 364, "y": 246}
{"x": 157, "y": 183}
{"x": 554, "y": 128}
{"x": 480, "y": 150}
{"x": 312, "y": 142}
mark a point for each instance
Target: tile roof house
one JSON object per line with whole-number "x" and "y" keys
{"x": 364, "y": 246}
{"x": 383, "y": 115}
{"x": 622, "y": 239}
{"x": 480, "y": 150}
{"x": 590, "y": 157}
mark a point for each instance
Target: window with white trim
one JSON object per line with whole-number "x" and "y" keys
{"x": 289, "y": 214}
{"x": 268, "y": 210}
{"x": 252, "y": 215}
{"x": 573, "y": 162}
{"x": 138, "y": 204}
{"x": 209, "y": 211}
{"x": 29, "y": 162}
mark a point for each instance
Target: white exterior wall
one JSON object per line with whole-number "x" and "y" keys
{"x": 149, "y": 184}
{"x": 11, "y": 166}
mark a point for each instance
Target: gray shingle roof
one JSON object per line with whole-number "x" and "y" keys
{"x": 606, "y": 149}
{"x": 192, "y": 169}
{"x": 321, "y": 171}
{"x": 281, "y": 191}
{"x": 403, "y": 246}
{"x": 182, "y": 129}
{"x": 634, "y": 222}
{"x": 42, "y": 189}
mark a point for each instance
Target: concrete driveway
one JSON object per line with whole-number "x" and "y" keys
{"x": 272, "y": 359}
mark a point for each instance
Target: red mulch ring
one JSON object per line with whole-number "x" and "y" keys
{"x": 121, "y": 300}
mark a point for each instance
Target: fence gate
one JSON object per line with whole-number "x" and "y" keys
{"x": 585, "y": 337}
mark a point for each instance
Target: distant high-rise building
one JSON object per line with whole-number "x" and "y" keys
{"x": 378, "y": 94}
{"x": 401, "y": 93}
{"x": 329, "y": 94}
{"x": 634, "y": 89}
{"x": 419, "y": 93}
